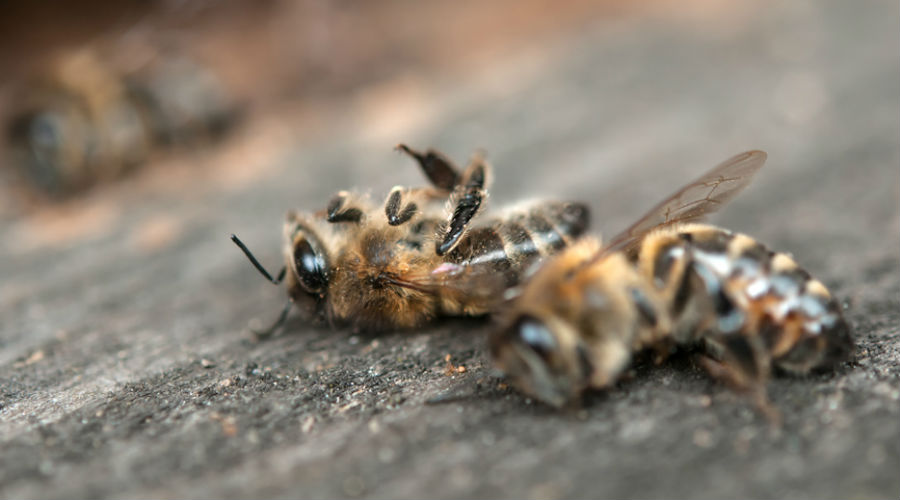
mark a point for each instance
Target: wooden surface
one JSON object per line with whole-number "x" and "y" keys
{"x": 127, "y": 368}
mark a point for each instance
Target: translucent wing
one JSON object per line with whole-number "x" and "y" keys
{"x": 692, "y": 202}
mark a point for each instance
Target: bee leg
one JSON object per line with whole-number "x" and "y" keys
{"x": 268, "y": 332}
{"x": 736, "y": 375}
{"x": 437, "y": 167}
{"x": 398, "y": 213}
{"x": 467, "y": 199}
{"x": 661, "y": 350}
{"x": 339, "y": 209}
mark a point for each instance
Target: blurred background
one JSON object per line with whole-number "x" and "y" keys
{"x": 92, "y": 90}
{"x": 208, "y": 94}
{"x": 138, "y": 135}
{"x": 95, "y": 91}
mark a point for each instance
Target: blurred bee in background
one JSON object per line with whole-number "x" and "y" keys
{"x": 577, "y": 323}
{"x": 87, "y": 119}
{"x": 425, "y": 252}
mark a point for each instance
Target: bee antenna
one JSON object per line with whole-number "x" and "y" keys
{"x": 263, "y": 334}
{"x": 259, "y": 266}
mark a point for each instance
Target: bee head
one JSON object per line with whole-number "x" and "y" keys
{"x": 543, "y": 359}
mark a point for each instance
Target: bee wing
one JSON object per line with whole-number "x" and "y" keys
{"x": 705, "y": 195}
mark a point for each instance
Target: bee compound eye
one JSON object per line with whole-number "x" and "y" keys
{"x": 45, "y": 130}
{"x": 310, "y": 266}
{"x": 42, "y": 136}
{"x": 534, "y": 333}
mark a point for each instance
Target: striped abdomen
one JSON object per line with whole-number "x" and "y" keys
{"x": 509, "y": 246}
{"x": 750, "y": 306}
{"x": 494, "y": 256}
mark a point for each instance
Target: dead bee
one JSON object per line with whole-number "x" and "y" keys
{"x": 77, "y": 126}
{"x": 665, "y": 282}
{"x": 84, "y": 120}
{"x": 425, "y": 252}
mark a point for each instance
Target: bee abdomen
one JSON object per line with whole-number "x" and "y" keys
{"x": 483, "y": 247}
{"x": 811, "y": 330}
{"x": 511, "y": 245}
{"x": 520, "y": 244}
{"x": 549, "y": 226}
{"x": 719, "y": 283}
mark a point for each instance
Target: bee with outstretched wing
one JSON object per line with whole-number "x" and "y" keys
{"x": 668, "y": 281}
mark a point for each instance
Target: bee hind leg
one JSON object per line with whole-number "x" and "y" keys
{"x": 467, "y": 200}
{"x": 437, "y": 167}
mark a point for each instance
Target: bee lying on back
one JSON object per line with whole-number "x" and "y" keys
{"x": 425, "y": 252}
{"x": 665, "y": 282}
